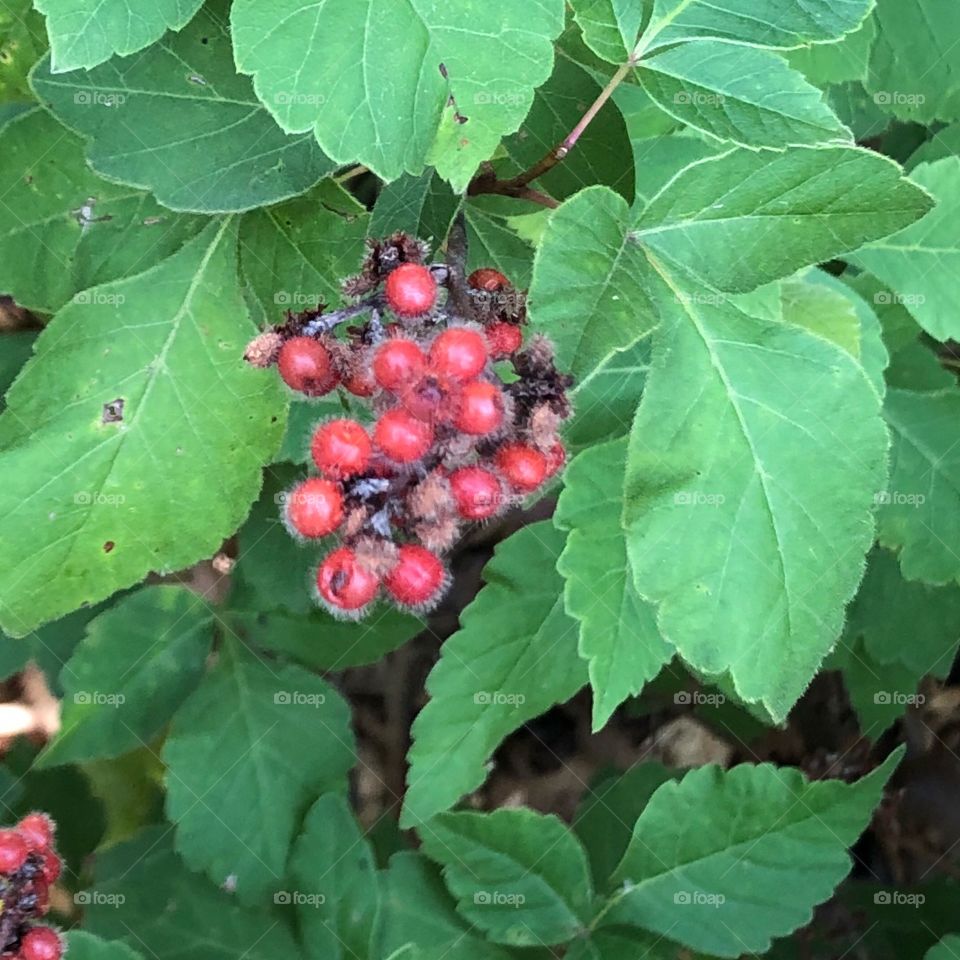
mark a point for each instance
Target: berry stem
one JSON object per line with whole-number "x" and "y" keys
{"x": 460, "y": 301}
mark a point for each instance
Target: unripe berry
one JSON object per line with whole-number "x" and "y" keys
{"x": 503, "y": 339}
{"x": 556, "y": 458}
{"x": 37, "y": 830}
{"x": 476, "y": 491}
{"x": 432, "y": 399}
{"x": 41, "y": 943}
{"x": 481, "y": 408}
{"x": 13, "y": 851}
{"x": 488, "y": 280}
{"x": 315, "y": 508}
{"x": 525, "y": 468}
{"x": 51, "y": 867}
{"x": 306, "y": 366}
{"x": 344, "y": 584}
{"x": 459, "y": 352}
{"x": 411, "y": 290}
{"x": 397, "y": 362}
{"x": 418, "y": 578}
{"x": 341, "y": 448}
{"x": 401, "y": 437}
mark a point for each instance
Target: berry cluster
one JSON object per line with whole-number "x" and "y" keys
{"x": 453, "y": 441}
{"x": 29, "y": 865}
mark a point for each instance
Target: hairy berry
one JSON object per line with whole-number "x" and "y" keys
{"x": 459, "y": 352}
{"x": 306, "y": 367}
{"x": 41, "y": 943}
{"x": 503, "y": 339}
{"x": 315, "y": 507}
{"x": 476, "y": 491}
{"x": 51, "y": 867}
{"x": 488, "y": 280}
{"x": 556, "y": 458}
{"x": 432, "y": 399}
{"x": 418, "y": 578}
{"x": 524, "y": 467}
{"x": 37, "y": 830}
{"x": 401, "y": 437}
{"x": 13, "y": 851}
{"x": 341, "y": 448}
{"x": 345, "y": 584}
{"x": 481, "y": 408}
{"x": 397, "y": 362}
{"x": 411, "y": 290}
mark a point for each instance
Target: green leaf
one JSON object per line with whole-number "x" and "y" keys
{"x": 513, "y": 658}
{"x": 736, "y": 452}
{"x": 919, "y": 512}
{"x": 423, "y": 206}
{"x": 619, "y": 637}
{"x": 921, "y": 262}
{"x": 336, "y": 888}
{"x": 659, "y": 159}
{"x": 195, "y": 427}
{"x": 83, "y": 37}
{"x": 857, "y": 109}
{"x": 63, "y": 229}
{"x": 233, "y": 789}
{"x": 15, "y": 350}
{"x": 295, "y": 255}
{"x": 85, "y": 946}
{"x": 716, "y": 220}
{"x": 714, "y": 87}
{"x": 520, "y": 877}
{"x": 825, "y": 63}
{"x": 760, "y": 831}
{"x": 942, "y": 143}
{"x": 606, "y": 815}
{"x": 947, "y": 949}
{"x": 179, "y": 121}
{"x": 587, "y": 293}
{"x": 610, "y": 27}
{"x": 621, "y": 943}
{"x": 23, "y": 41}
{"x": 766, "y": 23}
{"x": 913, "y": 72}
{"x": 197, "y": 922}
{"x": 494, "y": 243}
{"x": 138, "y": 662}
{"x": 389, "y": 117}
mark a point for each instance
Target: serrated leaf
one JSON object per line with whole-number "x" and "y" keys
{"x": 62, "y": 228}
{"x": 234, "y": 791}
{"x": 766, "y": 23}
{"x": 610, "y": 27}
{"x": 493, "y": 243}
{"x": 179, "y": 121}
{"x": 519, "y": 876}
{"x": 845, "y": 60}
{"x": 168, "y": 343}
{"x": 83, "y": 37}
{"x": 15, "y": 350}
{"x": 745, "y": 95}
{"x": 816, "y": 202}
{"x": 513, "y": 658}
{"x": 424, "y": 206}
{"x": 619, "y": 637}
{"x": 920, "y": 263}
{"x": 85, "y": 946}
{"x": 336, "y": 887}
{"x": 621, "y": 943}
{"x": 919, "y": 511}
{"x": 137, "y": 663}
{"x": 857, "y": 109}
{"x": 587, "y": 293}
{"x": 735, "y": 413}
{"x": 761, "y": 830}
{"x": 944, "y": 143}
{"x": 913, "y": 72}
{"x": 197, "y": 922}
{"x": 23, "y": 41}
{"x": 388, "y": 119}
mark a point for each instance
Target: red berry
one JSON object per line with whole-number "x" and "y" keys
{"x": 418, "y": 578}
{"x": 459, "y": 353}
{"x": 411, "y": 290}
{"x": 488, "y": 280}
{"x": 556, "y": 458}
{"x": 41, "y": 943}
{"x": 401, "y": 437}
{"x": 344, "y": 584}
{"x": 397, "y": 362}
{"x": 37, "y": 830}
{"x": 477, "y": 492}
{"x": 305, "y": 365}
{"x": 13, "y": 851}
{"x": 431, "y": 399}
{"x": 360, "y": 383}
{"x": 524, "y": 467}
{"x": 503, "y": 339}
{"x": 315, "y": 507}
{"x": 341, "y": 448}
{"x": 51, "y": 867}
{"x": 481, "y": 408}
